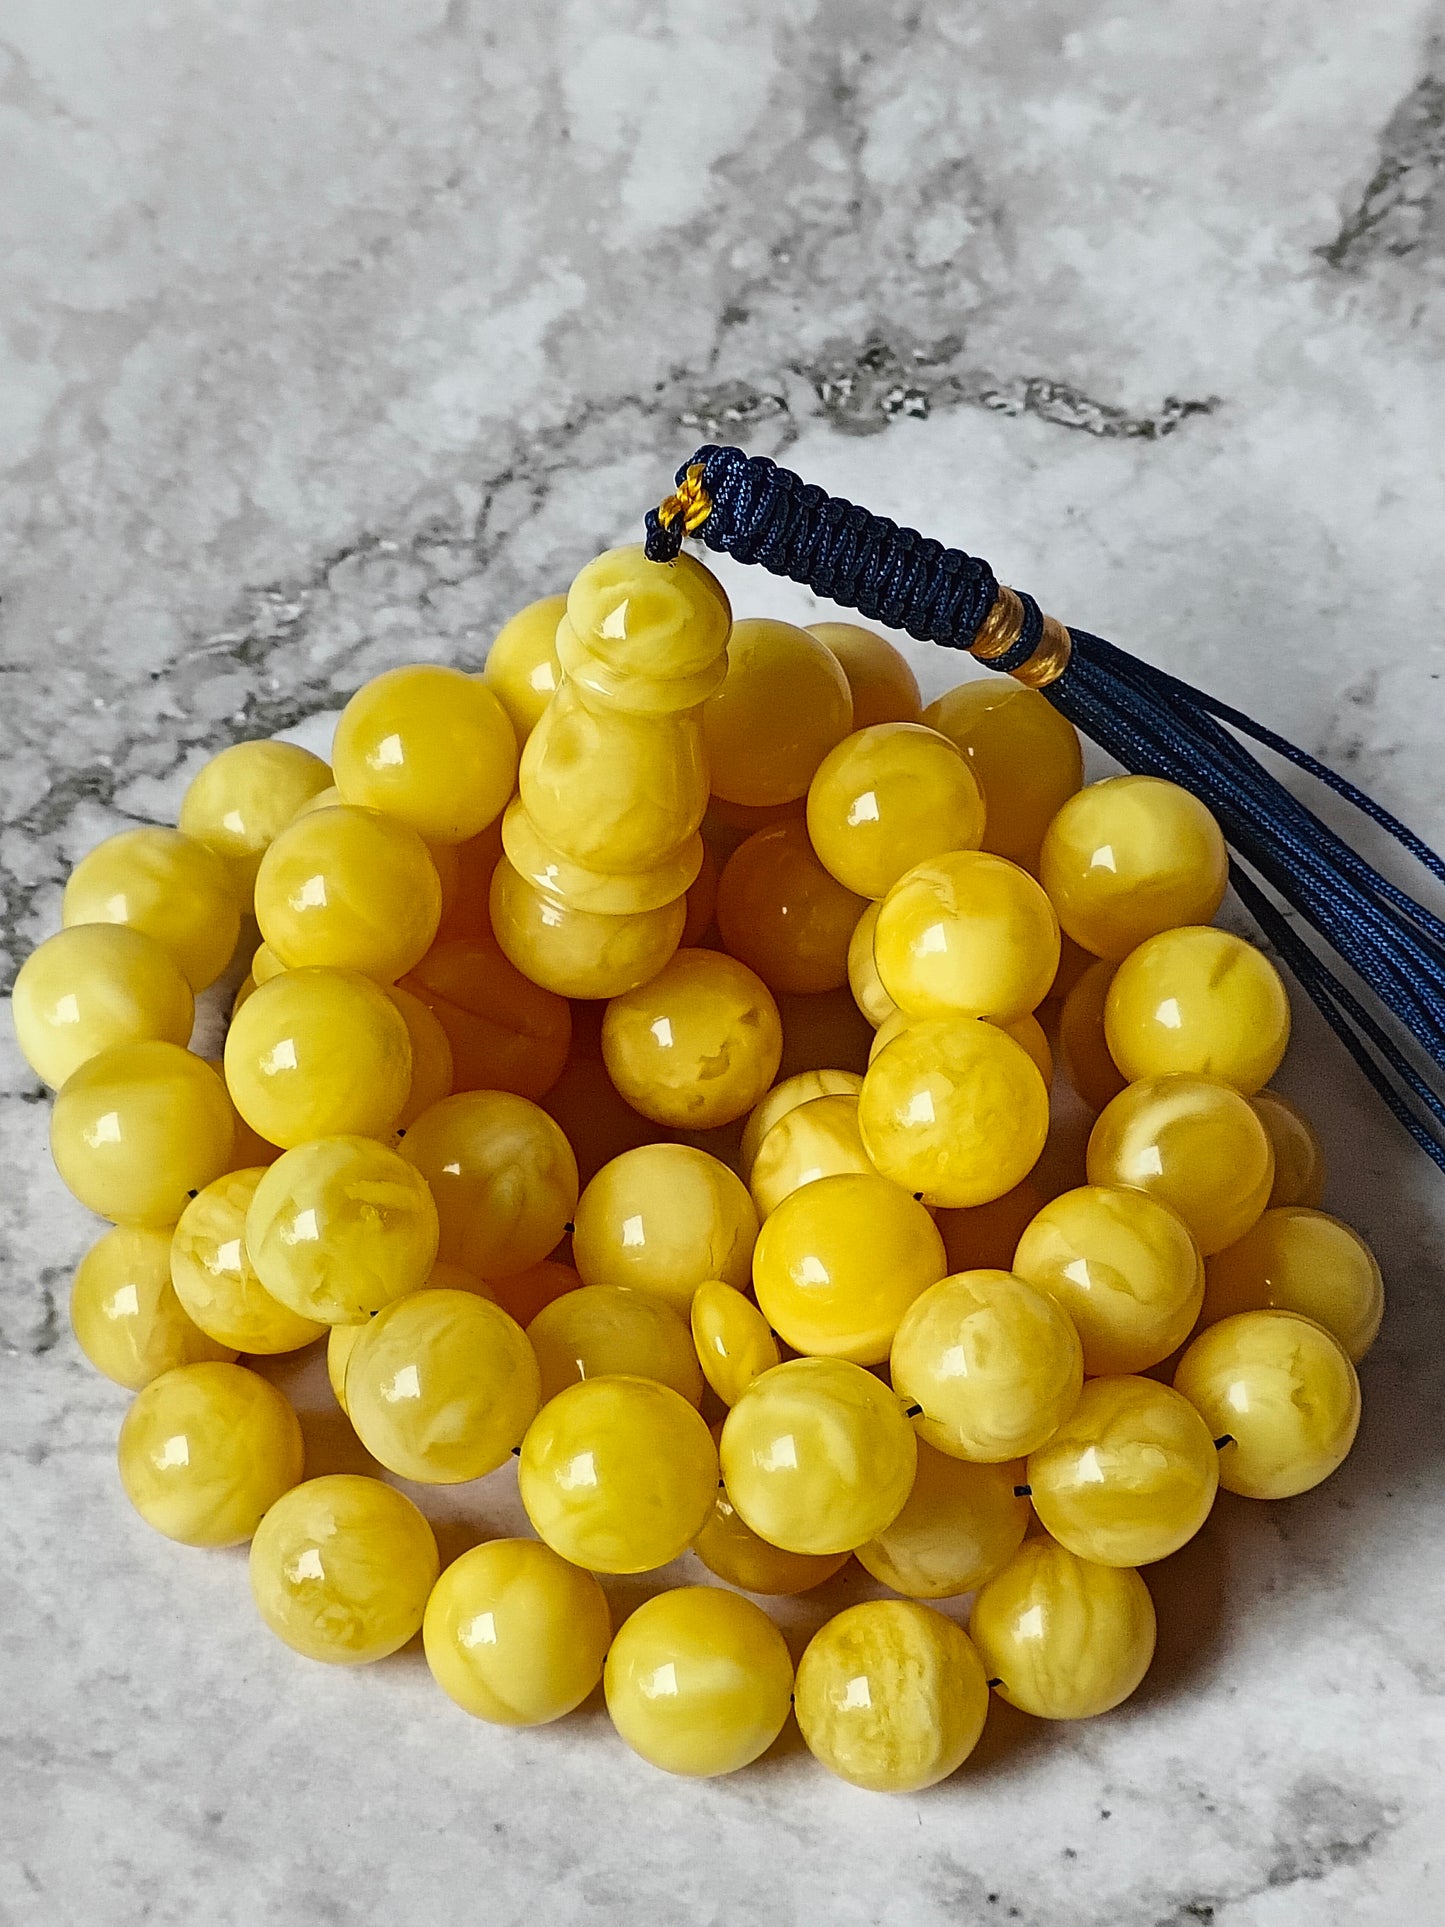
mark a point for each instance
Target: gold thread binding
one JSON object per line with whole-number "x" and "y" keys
{"x": 690, "y": 501}
{"x": 999, "y": 630}
{"x": 1049, "y": 660}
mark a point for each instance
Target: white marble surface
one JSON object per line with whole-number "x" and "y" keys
{"x": 334, "y": 331}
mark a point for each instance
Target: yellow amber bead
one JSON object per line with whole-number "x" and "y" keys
{"x": 522, "y": 670}
{"x": 732, "y": 1341}
{"x": 248, "y": 1147}
{"x": 1130, "y": 1475}
{"x": 265, "y": 965}
{"x": 1073, "y": 962}
{"x": 441, "y": 1386}
{"x": 506, "y": 1033}
{"x": 994, "y": 1363}
{"x": 93, "y": 986}
{"x": 1031, "y": 1035}
{"x": 1024, "y": 755}
{"x": 339, "y": 1227}
{"x": 579, "y": 953}
{"x": 962, "y": 1524}
{"x": 1282, "y": 1391}
{"x": 503, "y": 1176}
{"x": 863, "y": 979}
{"x": 662, "y": 1219}
{"x": 781, "y": 913}
{"x": 238, "y": 803}
{"x": 326, "y": 799}
{"x": 1083, "y": 1046}
{"x": 341, "y": 1339}
{"x": 598, "y": 1121}
{"x": 1199, "y": 1000}
{"x": 986, "y": 1237}
{"x": 967, "y": 935}
{"x": 954, "y": 1110}
{"x": 891, "y": 1027}
{"x": 649, "y": 619}
{"x": 315, "y": 1053}
{"x": 465, "y": 913}
{"x": 1195, "y": 1145}
{"x": 827, "y": 1032}
{"x": 817, "y": 1456}
{"x": 524, "y": 1293}
{"x": 581, "y": 888}
{"x": 611, "y": 791}
{"x": 1129, "y": 857}
{"x": 839, "y": 1263}
{"x": 605, "y": 1330}
{"x": 351, "y": 888}
{"x": 618, "y": 1474}
{"x": 695, "y": 1046}
{"x": 216, "y": 1282}
{"x": 883, "y": 686}
{"x": 699, "y": 1681}
{"x": 772, "y": 1108}
{"x": 428, "y": 745}
{"x": 138, "y": 1129}
{"x": 125, "y": 1314}
{"x": 1295, "y": 1259}
{"x": 819, "y": 1139}
{"x": 167, "y": 886}
{"x": 1124, "y": 1268}
{"x": 888, "y": 798}
{"x": 205, "y": 1450}
{"x": 784, "y": 705}
{"x": 891, "y": 1696}
{"x": 341, "y": 1569}
{"x": 1299, "y": 1157}
{"x": 514, "y": 1634}
{"x": 1065, "y": 1639}
{"x": 730, "y": 1548}
{"x": 431, "y": 1055}
{"x": 599, "y": 687}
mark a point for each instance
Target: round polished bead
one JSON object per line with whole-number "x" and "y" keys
{"x": 772, "y": 1108}
{"x": 429, "y": 745}
{"x": 1130, "y": 1475}
{"x": 863, "y": 979}
{"x": 1282, "y": 1394}
{"x": 466, "y": 888}
{"x": 441, "y": 1386}
{"x": 1129, "y": 857}
{"x": 315, "y": 1053}
{"x": 1025, "y": 756}
{"x": 514, "y": 1634}
{"x": 646, "y": 618}
{"x": 341, "y": 1339}
{"x": 1200, "y": 1000}
{"x": 341, "y": 1568}
{"x": 840, "y": 1261}
{"x": 205, "y": 1450}
{"x": 699, "y": 1681}
{"x": 1295, "y": 1259}
{"x": 248, "y": 1147}
{"x": 1083, "y": 1047}
{"x": 888, "y": 798}
{"x": 93, "y": 986}
{"x": 1299, "y": 1157}
{"x": 503, "y": 1176}
{"x": 891, "y": 1696}
{"x": 819, "y": 1139}
{"x": 125, "y": 1314}
{"x": 1125, "y": 1269}
{"x": 962, "y": 1524}
{"x": 582, "y": 888}
{"x": 525, "y": 1293}
{"x": 817, "y": 1456}
{"x": 993, "y": 1362}
{"x": 350, "y": 888}
{"x": 598, "y": 1121}
{"x": 607, "y": 1330}
{"x": 521, "y": 669}
{"x": 954, "y": 1110}
{"x": 239, "y": 802}
{"x": 732, "y": 1339}
{"x": 431, "y": 1055}
{"x": 662, "y": 1219}
{"x": 784, "y": 705}
{"x": 580, "y": 953}
{"x": 599, "y": 687}
{"x": 216, "y": 1282}
{"x": 826, "y": 1032}
{"x": 138, "y": 1129}
{"x": 339, "y": 1227}
{"x": 881, "y": 682}
{"x": 730, "y": 1548}
{"x": 967, "y": 934}
{"x": 265, "y": 965}
{"x": 166, "y": 885}
{"x": 1195, "y": 1145}
{"x": 506, "y": 1033}
{"x": 780, "y": 911}
{"x": 1063, "y": 1638}
{"x": 697, "y": 1045}
{"x": 618, "y": 1474}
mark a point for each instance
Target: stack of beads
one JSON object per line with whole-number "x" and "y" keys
{"x": 568, "y": 1156}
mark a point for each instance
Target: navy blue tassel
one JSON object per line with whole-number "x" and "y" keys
{"x": 1150, "y": 722}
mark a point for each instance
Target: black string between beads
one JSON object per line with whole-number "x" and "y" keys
{"x": 1289, "y": 865}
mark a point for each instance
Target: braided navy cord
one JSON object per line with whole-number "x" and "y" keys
{"x": 1151, "y": 723}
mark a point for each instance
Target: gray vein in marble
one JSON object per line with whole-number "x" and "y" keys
{"x": 1402, "y": 210}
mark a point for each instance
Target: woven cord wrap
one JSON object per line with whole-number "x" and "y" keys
{"x": 1151, "y": 723}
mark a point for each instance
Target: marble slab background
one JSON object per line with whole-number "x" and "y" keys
{"x": 333, "y": 332}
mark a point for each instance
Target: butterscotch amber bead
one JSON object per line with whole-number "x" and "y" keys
{"x": 521, "y": 669}
{"x": 579, "y": 953}
{"x": 168, "y": 886}
{"x": 606, "y": 690}
{"x": 1023, "y": 754}
{"x": 882, "y": 684}
{"x": 1199, "y": 1000}
{"x": 664, "y": 1218}
{"x": 801, "y": 1088}
{"x": 606, "y": 1329}
{"x": 733, "y": 1342}
{"x": 780, "y": 912}
{"x": 350, "y": 888}
{"x": 581, "y": 888}
{"x": 216, "y": 1282}
{"x": 430, "y": 745}
{"x": 125, "y": 1313}
{"x": 784, "y": 704}
{"x": 242, "y": 799}
{"x": 1299, "y": 1157}
{"x": 1083, "y": 1046}
{"x": 1195, "y": 1145}
{"x": 819, "y": 1139}
{"x": 863, "y": 979}
{"x": 92, "y": 986}
{"x": 205, "y": 1450}
{"x": 729, "y": 1547}
{"x": 1295, "y": 1259}
{"x": 505, "y": 1032}
{"x": 967, "y": 934}
{"x": 503, "y": 1177}
{"x": 697, "y": 1045}
{"x": 647, "y": 618}
{"x": 138, "y": 1128}
{"x": 888, "y": 798}
{"x": 961, "y": 1524}
{"x": 1063, "y": 1638}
